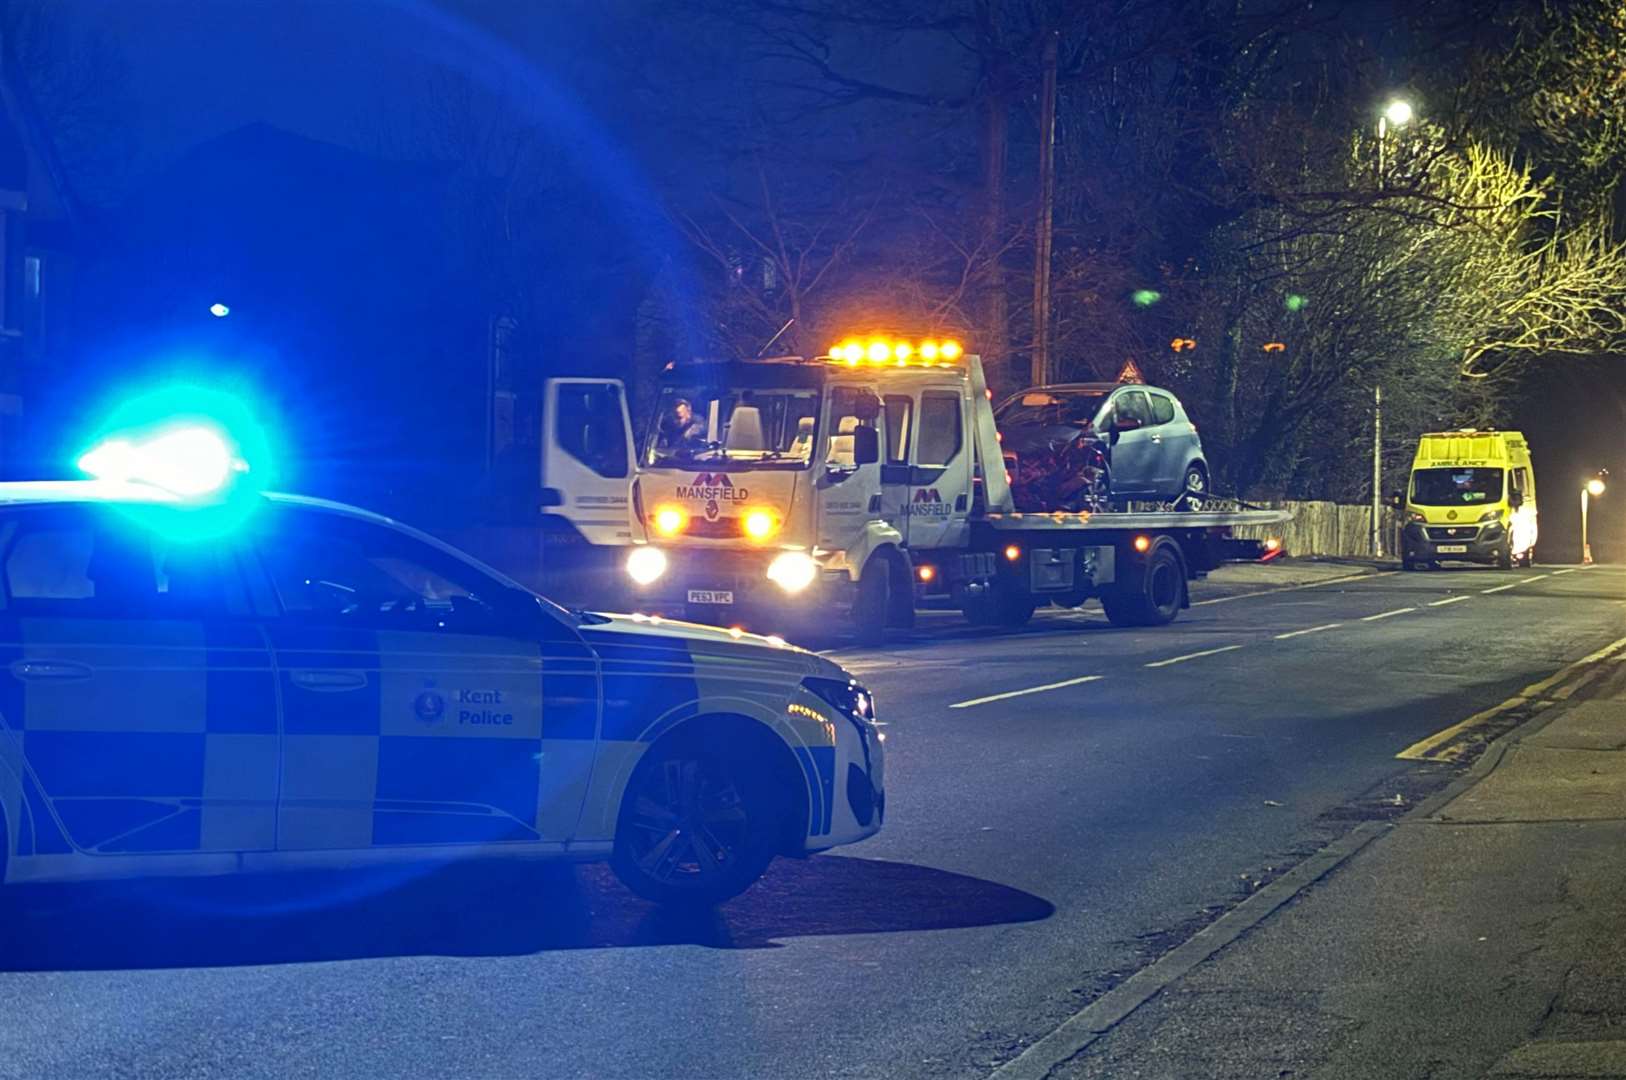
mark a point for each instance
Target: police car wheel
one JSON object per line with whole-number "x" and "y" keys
{"x": 696, "y": 828}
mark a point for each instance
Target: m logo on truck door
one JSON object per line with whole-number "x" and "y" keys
{"x": 928, "y": 503}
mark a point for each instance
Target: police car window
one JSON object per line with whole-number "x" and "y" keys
{"x": 73, "y": 563}
{"x": 1162, "y": 409}
{"x": 940, "y": 432}
{"x": 590, "y": 429}
{"x": 332, "y": 570}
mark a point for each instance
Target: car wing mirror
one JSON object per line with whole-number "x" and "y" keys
{"x": 866, "y": 446}
{"x": 1515, "y": 499}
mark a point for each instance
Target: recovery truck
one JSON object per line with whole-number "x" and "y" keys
{"x": 870, "y": 480}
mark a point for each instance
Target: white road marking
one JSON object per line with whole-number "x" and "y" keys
{"x": 1571, "y": 570}
{"x": 1292, "y": 588}
{"x": 1311, "y": 630}
{"x": 1387, "y": 614}
{"x": 1029, "y": 690}
{"x": 1448, "y": 600}
{"x": 1192, "y": 656}
{"x": 1501, "y": 588}
{"x": 1528, "y": 580}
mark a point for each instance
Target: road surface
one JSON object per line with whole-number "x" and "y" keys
{"x": 1065, "y": 803}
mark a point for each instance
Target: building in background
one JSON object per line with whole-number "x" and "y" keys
{"x": 38, "y": 224}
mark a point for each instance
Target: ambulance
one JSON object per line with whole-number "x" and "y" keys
{"x": 1471, "y": 498}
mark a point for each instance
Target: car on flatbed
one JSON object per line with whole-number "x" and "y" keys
{"x": 1110, "y": 441}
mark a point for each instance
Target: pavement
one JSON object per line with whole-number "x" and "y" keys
{"x": 1479, "y": 935}
{"x": 1095, "y": 838}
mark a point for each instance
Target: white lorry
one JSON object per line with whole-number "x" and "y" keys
{"x": 864, "y": 482}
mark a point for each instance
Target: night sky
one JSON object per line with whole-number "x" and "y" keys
{"x": 341, "y": 71}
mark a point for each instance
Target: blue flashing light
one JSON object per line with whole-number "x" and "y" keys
{"x": 200, "y": 448}
{"x": 190, "y": 460}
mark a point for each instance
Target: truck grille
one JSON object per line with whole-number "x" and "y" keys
{"x": 1454, "y": 532}
{"x": 727, "y": 528}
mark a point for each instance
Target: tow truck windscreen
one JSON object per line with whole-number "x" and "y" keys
{"x": 745, "y": 429}
{"x": 1456, "y": 487}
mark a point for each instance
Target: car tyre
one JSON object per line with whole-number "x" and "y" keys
{"x": 1194, "y": 492}
{"x": 1504, "y": 556}
{"x": 697, "y": 825}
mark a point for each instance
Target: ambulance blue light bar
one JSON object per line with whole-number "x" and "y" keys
{"x": 187, "y": 459}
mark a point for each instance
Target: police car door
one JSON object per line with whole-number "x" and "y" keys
{"x": 413, "y": 700}
{"x": 940, "y": 479}
{"x": 137, "y": 704}
{"x": 587, "y": 458}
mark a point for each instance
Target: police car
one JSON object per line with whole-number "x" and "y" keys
{"x": 195, "y": 684}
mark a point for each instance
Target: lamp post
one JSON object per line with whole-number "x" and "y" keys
{"x": 1589, "y": 491}
{"x": 1397, "y": 113}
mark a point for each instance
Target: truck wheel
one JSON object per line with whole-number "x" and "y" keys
{"x": 874, "y": 601}
{"x": 1504, "y": 556}
{"x": 1410, "y": 565}
{"x": 696, "y": 826}
{"x": 1154, "y": 597}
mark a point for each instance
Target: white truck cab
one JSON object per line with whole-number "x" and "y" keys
{"x": 763, "y": 481}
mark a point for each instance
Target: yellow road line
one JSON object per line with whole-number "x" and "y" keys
{"x": 1029, "y": 690}
{"x": 1424, "y": 748}
{"x": 1387, "y": 614}
{"x": 1293, "y": 588}
{"x": 1311, "y": 630}
{"x": 1192, "y": 656}
{"x": 1447, "y": 600}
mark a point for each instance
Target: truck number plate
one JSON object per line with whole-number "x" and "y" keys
{"x": 1452, "y": 549}
{"x": 711, "y": 596}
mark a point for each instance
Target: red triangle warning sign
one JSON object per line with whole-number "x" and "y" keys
{"x": 1131, "y": 373}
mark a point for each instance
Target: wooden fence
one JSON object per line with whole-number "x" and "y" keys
{"x": 1327, "y": 528}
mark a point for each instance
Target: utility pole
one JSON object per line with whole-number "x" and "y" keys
{"x": 1377, "y": 472}
{"x": 1047, "y": 206}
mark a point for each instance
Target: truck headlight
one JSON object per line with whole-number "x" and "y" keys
{"x": 646, "y": 565}
{"x": 669, "y": 520}
{"x": 1414, "y": 518}
{"x": 760, "y": 524}
{"x": 793, "y": 571}
{"x": 1491, "y": 515}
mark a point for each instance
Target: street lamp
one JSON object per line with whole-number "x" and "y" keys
{"x": 1398, "y": 113}
{"x": 1589, "y": 491}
